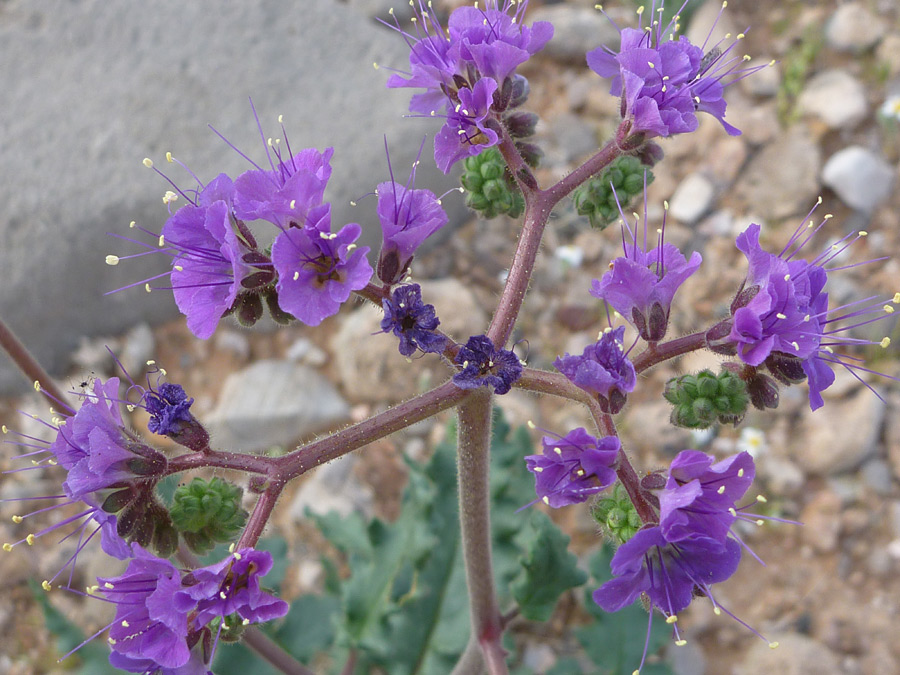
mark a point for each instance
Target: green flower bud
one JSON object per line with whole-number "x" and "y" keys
{"x": 208, "y": 513}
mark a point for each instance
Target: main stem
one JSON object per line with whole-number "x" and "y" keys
{"x": 473, "y": 462}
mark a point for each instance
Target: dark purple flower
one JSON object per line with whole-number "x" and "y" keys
{"x": 408, "y": 217}
{"x": 700, "y": 495}
{"x": 231, "y": 587}
{"x": 465, "y": 133}
{"x": 574, "y": 467}
{"x": 603, "y": 369}
{"x": 483, "y": 365}
{"x": 780, "y": 317}
{"x": 318, "y": 269}
{"x": 285, "y": 194}
{"x": 641, "y": 284}
{"x": 170, "y": 415}
{"x": 664, "y": 82}
{"x": 669, "y": 573}
{"x": 411, "y": 320}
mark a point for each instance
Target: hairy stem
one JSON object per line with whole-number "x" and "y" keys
{"x": 663, "y": 351}
{"x": 471, "y": 662}
{"x": 267, "y": 648}
{"x": 30, "y": 367}
{"x": 473, "y": 462}
{"x": 262, "y": 510}
{"x": 592, "y": 166}
{"x": 383, "y": 424}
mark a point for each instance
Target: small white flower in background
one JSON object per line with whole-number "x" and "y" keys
{"x": 890, "y": 109}
{"x": 752, "y": 440}
{"x": 573, "y": 256}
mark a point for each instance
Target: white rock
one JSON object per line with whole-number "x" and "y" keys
{"x": 835, "y": 97}
{"x": 577, "y": 30}
{"x": 853, "y": 28}
{"x": 692, "y": 198}
{"x": 273, "y": 403}
{"x": 861, "y": 178}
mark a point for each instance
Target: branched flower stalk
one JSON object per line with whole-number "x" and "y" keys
{"x": 673, "y": 529}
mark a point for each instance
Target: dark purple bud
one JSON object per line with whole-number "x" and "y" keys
{"x": 245, "y": 233}
{"x": 653, "y": 481}
{"x": 718, "y": 340}
{"x": 118, "y": 500}
{"x": 520, "y": 91}
{"x": 502, "y": 96}
{"x": 650, "y": 154}
{"x": 743, "y": 298}
{"x": 763, "y": 390}
{"x": 521, "y": 124}
{"x": 530, "y": 152}
{"x": 786, "y": 368}
{"x": 249, "y": 309}
{"x": 278, "y": 315}
{"x": 640, "y": 323}
{"x": 658, "y": 324}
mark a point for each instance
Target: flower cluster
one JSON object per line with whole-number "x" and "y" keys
{"x": 664, "y": 82}
{"x": 692, "y": 546}
{"x": 218, "y": 268}
{"x": 574, "y": 467}
{"x": 603, "y": 370}
{"x": 468, "y": 72}
{"x": 166, "y": 619}
{"x": 780, "y": 317}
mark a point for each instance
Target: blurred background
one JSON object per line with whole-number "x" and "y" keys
{"x": 93, "y": 87}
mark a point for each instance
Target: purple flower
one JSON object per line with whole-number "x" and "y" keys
{"x": 231, "y": 587}
{"x": 163, "y": 617}
{"x": 411, "y": 320}
{"x": 465, "y": 132}
{"x": 700, "y": 495}
{"x": 285, "y": 194}
{"x": 483, "y": 365}
{"x": 95, "y": 450}
{"x": 207, "y": 257}
{"x": 318, "y": 269}
{"x": 780, "y": 317}
{"x": 495, "y": 42}
{"x": 603, "y": 369}
{"x": 641, "y": 284}
{"x": 573, "y": 467}
{"x": 408, "y": 217}
{"x": 479, "y": 42}
{"x": 149, "y": 627}
{"x": 664, "y": 82}
{"x": 669, "y": 573}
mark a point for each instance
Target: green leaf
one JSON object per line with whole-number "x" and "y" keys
{"x": 548, "y": 570}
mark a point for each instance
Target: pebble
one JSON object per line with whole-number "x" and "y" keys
{"x": 273, "y": 403}
{"x": 876, "y": 474}
{"x": 860, "y": 177}
{"x": 835, "y": 97}
{"x": 888, "y": 53}
{"x": 795, "y": 655}
{"x": 853, "y": 28}
{"x": 692, "y": 198}
{"x": 782, "y": 180}
{"x": 137, "y": 348}
{"x": 828, "y": 445}
{"x": 307, "y": 352}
